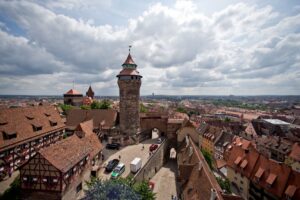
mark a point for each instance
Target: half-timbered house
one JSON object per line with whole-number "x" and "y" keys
{"x": 23, "y": 131}
{"x": 60, "y": 170}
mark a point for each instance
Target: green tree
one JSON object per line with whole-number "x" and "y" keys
{"x": 13, "y": 193}
{"x": 110, "y": 189}
{"x": 227, "y": 119}
{"x": 224, "y": 184}
{"x": 95, "y": 105}
{"x": 143, "y": 108}
{"x": 85, "y": 107}
{"x": 144, "y": 190}
{"x": 207, "y": 157}
{"x": 119, "y": 189}
{"x": 66, "y": 107}
{"x": 181, "y": 109}
{"x": 104, "y": 104}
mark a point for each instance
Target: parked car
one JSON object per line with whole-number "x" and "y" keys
{"x": 118, "y": 171}
{"x": 113, "y": 146}
{"x": 111, "y": 165}
{"x": 153, "y": 147}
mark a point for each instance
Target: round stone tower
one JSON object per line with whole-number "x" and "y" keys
{"x": 129, "y": 81}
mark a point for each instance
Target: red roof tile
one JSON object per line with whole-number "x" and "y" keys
{"x": 293, "y": 186}
{"x": 295, "y": 152}
{"x": 129, "y": 72}
{"x": 251, "y": 156}
{"x": 66, "y": 153}
{"x": 273, "y": 178}
{"x": 17, "y": 121}
{"x": 72, "y": 91}
{"x": 76, "y": 116}
{"x": 129, "y": 60}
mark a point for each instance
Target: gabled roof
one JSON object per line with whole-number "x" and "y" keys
{"x": 66, "y": 153}
{"x": 270, "y": 175}
{"x": 17, "y": 121}
{"x": 195, "y": 174}
{"x": 293, "y": 186}
{"x": 295, "y": 152}
{"x": 243, "y": 161}
{"x": 85, "y": 132}
{"x": 76, "y": 116}
{"x": 73, "y": 92}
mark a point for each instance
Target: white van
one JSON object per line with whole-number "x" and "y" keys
{"x": 135, "y": 165}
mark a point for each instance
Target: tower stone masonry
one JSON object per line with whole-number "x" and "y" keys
{"x": 129, "y": 81}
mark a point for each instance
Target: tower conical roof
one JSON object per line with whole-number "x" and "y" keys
{"x": 90, "y": 92}
{"x": 129, "y": 63}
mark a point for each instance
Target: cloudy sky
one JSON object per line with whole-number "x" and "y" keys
{"x": 181, "y": 47}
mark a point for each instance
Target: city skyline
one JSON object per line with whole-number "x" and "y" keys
{"x": 186, "y": 48}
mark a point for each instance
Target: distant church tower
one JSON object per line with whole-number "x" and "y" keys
{"x": 90, "y": 92}
{"x": 129, "y": 81}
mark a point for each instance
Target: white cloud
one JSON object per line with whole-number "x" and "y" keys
{"x": 176, "y": 48}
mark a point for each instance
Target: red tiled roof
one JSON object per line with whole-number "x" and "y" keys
{"x": 274, "y": 177}
{"x": 72, "y": 91}
{"x": 66, "y": 153}
{"x": 129, "y": 72}
{"x": 293, "y": 186}
{"x": 295, "y": 152}
{"x": 197, "y": 181}
{"x": 76, "y": 116}
{"x": 17, "y": 121}
{"x": 129, "y": 60}
{"x": 247, "y": 158}
{"x": 85, "y": 130}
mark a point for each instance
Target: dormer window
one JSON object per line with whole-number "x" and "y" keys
{"x": 29, "y": 117}
{"x": 8, "y": 135}
{"x": 3, "y": 122}
{"x": 271, "y": 179}
{"x": 37, "y": 127}
{"x": 53, "y": 123}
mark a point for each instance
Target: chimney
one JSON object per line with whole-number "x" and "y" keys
{"x": 213, "y": 194}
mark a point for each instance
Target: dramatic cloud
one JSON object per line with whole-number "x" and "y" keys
{"x": 241, "y": 49}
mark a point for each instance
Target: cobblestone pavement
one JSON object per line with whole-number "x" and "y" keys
{"x": 5, "y": 184}
{"x": 165, "y": 181}
{"x": 127, "y": 153}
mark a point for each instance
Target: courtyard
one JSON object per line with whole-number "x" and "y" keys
{"x": 127, "y": 154}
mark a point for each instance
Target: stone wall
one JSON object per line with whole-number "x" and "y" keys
{"x": 155, "y": 162}
{"x": 129, "y": 106}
